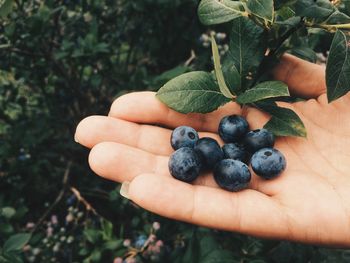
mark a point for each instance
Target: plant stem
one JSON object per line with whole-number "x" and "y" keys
{"x": 286, "y": 36}
{"x": 329, "y": 27}
{"x": 273, "y": 52}
{"x": 58, "y": 198}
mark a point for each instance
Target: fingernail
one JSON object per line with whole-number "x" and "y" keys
{"x": 75, "y": 138}
{"x": 124, "y": 190}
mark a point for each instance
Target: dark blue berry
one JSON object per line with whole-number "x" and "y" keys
{"x": 185, "y": 164}
{"x": 258, "y": 139}
{"x": 235, "y": 151}
{"x": 183, "y": 136}
{"x": 71, "y": 200}
{"x": 232, "y": 175}
{"x": 233, "y": 128}
{"x": 268, "y": 163}
{"x": 140, "y": 241}
{"x": 210, "y": 152}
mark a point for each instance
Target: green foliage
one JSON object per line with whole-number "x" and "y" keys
{"x": 16, "y": 242}
{"x": 195, "y": 91}
{"x": 246, "y": 49}
{"x": 338, "y": 66}
{"x": 284, "y": 122}
{"x": 262, "y": 8}
{"x": 212, "y": 12}
{"x": 5, "y": 7}
{"x": 261, "y": 31}
{"x": 218, "y": 71}
{"x": 264, "y": 90}
{"x": 319, "y": 9}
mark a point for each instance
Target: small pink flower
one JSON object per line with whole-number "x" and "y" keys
{"x": 118, "y": 260}
{"x": 152, "y": 238}
{"x": 54, "y": 220}
{"x": 30, "y": 225}
{"x": 156, "y": 226}
{"x": 49, "y": 231}
{"x": 69, "y": 218}
{"x": 127, "y": 243}
{"x": 26, "y": 248}
{"x": 159, "y": 243}
{"x": 130, "y": 260}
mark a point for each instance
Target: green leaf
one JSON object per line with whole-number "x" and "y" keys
{"x": 337, "y": 17}
{"x": 262, "y": 8}
{"x": 305, "y": 53}
{"x": 195, "y": 91}
{"x": 319, "y": 9}
{"x": 11, "y": 257}
{"x": 218, "y": 72}
{"x": 5, "y": 7}
{"x": 7, "y": 212}
{"x": 212, "y": 12}
{"x": 6, "y": 228}
{"x": 283, "y": 122}
{"x": 92, "y": 235}
{"x": 231, "y": 74}
{"x": 278, "y": 4}
{"x": 16, "y": 242}
{"x": 247, "y": 48}
{"x": 286, "y": 13}
{"x": 96, "y": 256}
{"x": 170, "y": 74}
{"x": 264, "y": 90}
{"x": 219, "y": 256}
{"x": 338, "y": 67}
{"x": 207, "y": 244}
{"x": 83, "y": 251}
{"x": 107, "y": 229}
{"x": 113, "y": 244}
{"x": 192, "y": 252}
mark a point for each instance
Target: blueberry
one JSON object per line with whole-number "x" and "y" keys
{"x": 184, "y": 164}
{"x": 140, "y": 241}
{"x": 183, "y": 136}
{"x": 232, "y": 175}
{"x": 233, "y": 128}
{"x": 268, "y": 163}
{"x": 258, "y": 139}
{"x": 235, "y": 151}
{"x": 209, "y": 151}
{"x": 71, "y": 200}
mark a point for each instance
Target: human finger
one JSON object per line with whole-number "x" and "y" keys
{"x": 304, "y": 79}
{"x": 246, "y": 211}
{"x": 96, "y": 129}
{"x": 144, "y": 107}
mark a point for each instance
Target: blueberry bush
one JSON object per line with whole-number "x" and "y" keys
{"x": 61, "y": 61}
{"x": 260, "y": 32}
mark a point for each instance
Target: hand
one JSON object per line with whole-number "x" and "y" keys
{"x": 309, "y": 202}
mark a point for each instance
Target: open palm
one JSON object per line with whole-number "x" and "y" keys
{"x": 309, "y": 202}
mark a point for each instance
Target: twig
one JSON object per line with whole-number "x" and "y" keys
{"x": 83, "y": 200}
{"x": 58, "y": 198}
{"x": 24, "y": 52}
{"x": 191, "y": 58}
{"x": 286, "y": 36}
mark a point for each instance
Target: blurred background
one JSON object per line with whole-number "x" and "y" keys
{"x": 63, "y": 60}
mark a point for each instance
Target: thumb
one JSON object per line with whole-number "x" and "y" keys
{"x": 305, "y": 79}
{"x": 246, "y": 212}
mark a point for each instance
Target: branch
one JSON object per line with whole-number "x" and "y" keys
{"x": 190, "y": 59}
{"x": 328, "y": 27}
{"x": 58, "y": 198}
{"x": 83, "y": 200}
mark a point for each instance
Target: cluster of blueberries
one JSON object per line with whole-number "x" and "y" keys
{"x": 229, "y": 163}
